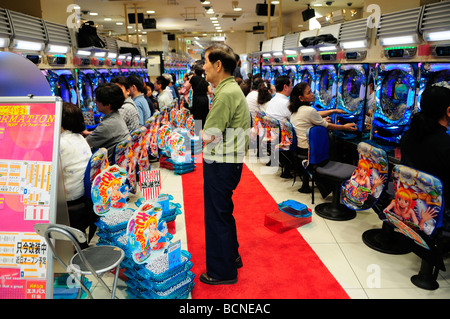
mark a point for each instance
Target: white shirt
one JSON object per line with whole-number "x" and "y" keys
{"x": 278, "y": 107}
{"x": 164, "y": 99}
{"x": 169, "y": 92}
{"x": 252, "y": 101}
{"x": 75, "y": 153}
{"x": 305, "y": 118}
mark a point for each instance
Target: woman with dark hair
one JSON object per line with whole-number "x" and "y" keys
{"x": 112, "y": 129}
{"x": 200, "y": 91}
{"x": 304, "y": 116}
{"x": 75, "y": 154}
{"x": 265, "y": 93}
{"x": 426, "y": 145}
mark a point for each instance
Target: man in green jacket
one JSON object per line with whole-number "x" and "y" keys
{"x": 225, "y": 135}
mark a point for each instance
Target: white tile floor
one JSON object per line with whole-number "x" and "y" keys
{"x": 338, "y": 244}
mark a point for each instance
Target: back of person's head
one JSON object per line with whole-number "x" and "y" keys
{"x": 197, "y": 67}
{"x": 281, "y": 81}
{"x": 264, "y": 92}
{"x": 136, "y": 81}
{"x": 222, "y": 52}
{"x": 110, "y": 94}
{"x": 246, "y": 86}
{"x": 121, "y": 80}
{"x": 168, "y": 78}
{"x": 434, "y": 102}
{"x": 161, "y": 80}
{"x": 72, "y": 118}
{"x": 174, "y": 77}
{"x": 256, "y": 82}
{"x": 294, "y": 101}
{"x": 150, "y": 85}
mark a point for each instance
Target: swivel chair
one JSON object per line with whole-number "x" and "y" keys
{"x": 327, "y": 175}
{"x": 95, "y": 260}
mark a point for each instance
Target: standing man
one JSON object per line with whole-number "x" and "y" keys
{"x": 164, "y": 97}
{"x": 226, "y": 140}
{"x": 137, "y": 93}
{"x": 278, "y": 106}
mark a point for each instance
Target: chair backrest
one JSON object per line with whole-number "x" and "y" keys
{"x": 97, "y": 162}
{"x": 319, "y": 145}
{"x": 368, "y": 181}
{"x": 424, "y": 213}
{"x": 59, "y": 232}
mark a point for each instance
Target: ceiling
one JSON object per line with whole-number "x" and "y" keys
{"x": 190, "y": 16}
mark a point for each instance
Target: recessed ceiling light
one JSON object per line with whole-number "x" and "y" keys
{"x": 93, "y": 13}
{"x": 108, "y": 19}
{"x": 151, "y": 11}
{"x": 213, "y": 18}
{"x": 119, "y": 23}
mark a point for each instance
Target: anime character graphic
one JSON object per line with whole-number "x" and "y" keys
{"x": 147, "y": 233}
{"x": 109, "y": 190}
{"x": 416, "y": 210}
{"x": 367, "y": 182}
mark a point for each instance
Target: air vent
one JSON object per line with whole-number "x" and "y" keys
{"x": 231, "y": 15}
{"x": 399, "y": 23}
{"x": 111, "y": 44}
{"x": 5, "y": 28}
{"x": 25, "y": 27}
{"x": 58, "y": 34}
{"x": 291, "y": 41}
{"x": 355, "y": 30}
{"x": 436, "y": 17}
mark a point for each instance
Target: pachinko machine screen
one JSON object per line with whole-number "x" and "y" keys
{"x": 432, "y": 73}
{"x": 306, "y": 73}
{"x": 351, "y": 96}
{"x": 395, "y": 101}
{"x": 326, "y": 87}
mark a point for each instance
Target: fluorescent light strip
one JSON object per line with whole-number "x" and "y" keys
{"x": 83, "y": 53}
{"x": 307, "y": 51}
{"x": 27, "y": 45}
{"x": 328, "y": 48}
{"x": 398, "y": 40}
{"x": 353, "y": 44}
{"x": 52, "y": 48}
{"x": 438, "y": 36}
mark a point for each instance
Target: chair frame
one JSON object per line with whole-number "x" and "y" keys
{"x": 67, "y": 233}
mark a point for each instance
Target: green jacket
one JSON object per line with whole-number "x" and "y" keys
{"x": 229, "y": 121}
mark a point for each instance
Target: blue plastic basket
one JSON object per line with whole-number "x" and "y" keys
{"x": 174, "y": 292}
{"x": 149, "y": 275}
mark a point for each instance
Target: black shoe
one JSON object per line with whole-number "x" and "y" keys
{"x": 305, "y": 190}
{"x": 239, "y": 263}
{"x": 212, "y": 281}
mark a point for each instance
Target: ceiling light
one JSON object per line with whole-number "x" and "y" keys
{"x": 150, "y": 11}
{"x": 213, "y": 18}
{"x": 275, "y": 2}
{"x": 93, "y": 13}
{"x": 235, "y": 6}
{"x": 108, "y": 19}
{"x": 119, "y": 23}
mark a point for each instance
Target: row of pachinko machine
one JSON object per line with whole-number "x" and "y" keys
{"x": 77, "y": 86}
{"x": 376, "y": 74}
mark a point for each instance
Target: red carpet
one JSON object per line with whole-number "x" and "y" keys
{"x": 276, "y": 266}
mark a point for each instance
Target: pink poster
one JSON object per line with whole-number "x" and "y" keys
{"x": 26, "y": 136}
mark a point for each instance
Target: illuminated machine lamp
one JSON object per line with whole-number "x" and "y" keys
{"x": 57, "y": 54}
{"x": 326, "y": 87}
{"x": 395, "y": 98}
{"x": 351, "y": 97}
{"x": 355, "y": 50}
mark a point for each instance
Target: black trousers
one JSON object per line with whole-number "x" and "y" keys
{"x": 82, "y": 216}
{"x": 220, "y": 180}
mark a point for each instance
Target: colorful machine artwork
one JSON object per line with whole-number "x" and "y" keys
{"x": 417, "y": 209}
{"x": 109, "y": 190}
{"x": 367, "y": 182}
{"x": 147, "y": 232}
